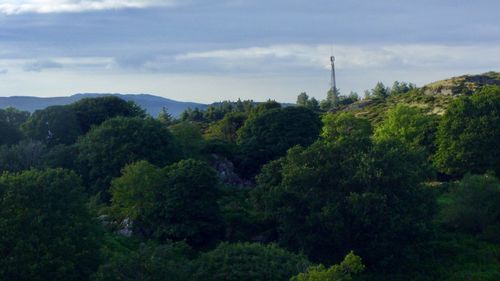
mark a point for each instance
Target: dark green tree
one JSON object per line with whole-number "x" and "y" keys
{"x": 468, "y": 134}
{"x": 189, "y": 138}
{"x": 106, "y": 149}
{"x": 53, "y": 125}
{"x": 47, "y": 231}
{"x": 227, "y": 128}
{"x": 380, "y": 91}
{"x": 402, "y": 88}
{"x": 10, "y": 123}
{"x": 270, "y": 134}
{"x": 149, "y": 263}
{"x": 248, "y": 262}
{"x": 165, "y": 117}
{"x": 473, "y": 206}
{"x": 94, "y": 111}
{"x": 332, "y": 100}
{"x": 178, "y": 202}
{"x": 25, "y": 155}
{"x": 346, "y": 100}
{"x": 303, "y": 100}
{"x": 194, "y": 115}
{"x": 342, "y": 193}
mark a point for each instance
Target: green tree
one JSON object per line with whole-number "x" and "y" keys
{"x": 270, "y": 134}
{"x": 106, "y": 149}
{"x": 409, "y": 125}
{"x": 342, "y": 193}
{"x": 248, "y": 262}
{"x": 346, "y": 100}
{"x": 346, "y": 128}
{"x": 47, "y": 231}
{"x": 53, "y": 125}
{"x": 473, "y": 206}
{"x": 303, "y": 100}
{"x": 351, "y": 265}
{"x": 189, "y": 138}
{"x": 25, "y": 155}
{"x": 380, "y": 91}
{"x": 93, "y": 111}
{"x": 149, "y": 263}
{"x": 331, "y": 101}
{"x": 194, "y": 115}
{"x": 468, "y": 134}
{"x": 227, "y": 128}
{"x": 402, "y": 88}
{"x": 178, "y": 202}
{"x": 10, "y": 122}
{"x": 166, "y": 118}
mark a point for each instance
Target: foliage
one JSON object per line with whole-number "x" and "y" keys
{"x": 346, "y": 100}
{"x": 241, "y": 220}
{"x": 106, "y": 149}
{"x": 303, "y": 100}
{"x": 380, "y": 91}
{"x": 474, "y": 206}
{"x": 189, "y": 138}
{"x": 343, "y": 194}
{"x": 331, "y": 101}
{"x": 166, "y": 118}
{"x": 339, "y": 272}
{"x": 227, "y": 128}
{"x": 149, "y": 263}
{"x": 10, "y": 122}
{"x": 178, "y": 202}
{"x": 193, "y": 115}
{"x": 94, "y": 111}
{"x": 468, "y": 134}
{"x": 25, "y": 155}
{"x": 402, "y": 88}
{"x": 346, "y": 128}
{"x": 217, "y": 111}
{"x": 271, "y": 133}
{"x": 47, "y": 231}
{"x": 248, "y": 262}
{"x": 53, "y": 125}
{"x": 410, "y": 126}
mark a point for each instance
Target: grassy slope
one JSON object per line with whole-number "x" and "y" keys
{"x": 434, "y": 98}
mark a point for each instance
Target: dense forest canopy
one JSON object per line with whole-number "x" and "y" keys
{"x": 400, "y": 185}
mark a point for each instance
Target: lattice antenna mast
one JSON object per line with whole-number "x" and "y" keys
{"x": 334, "y": 84}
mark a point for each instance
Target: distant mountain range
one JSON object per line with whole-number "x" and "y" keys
{"x": 152, "y": 104}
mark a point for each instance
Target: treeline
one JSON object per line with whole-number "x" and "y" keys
{"x": 99, "y": 190}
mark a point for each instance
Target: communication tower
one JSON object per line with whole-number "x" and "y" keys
{"x": 333, "y": 90}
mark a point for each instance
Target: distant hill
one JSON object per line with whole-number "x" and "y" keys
{"x": 433, "y": 98}
{"x": 152, "y": 104}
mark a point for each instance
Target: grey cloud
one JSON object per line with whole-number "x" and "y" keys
{"x": 39, "y": 66}
{"x": 4, "y": 71}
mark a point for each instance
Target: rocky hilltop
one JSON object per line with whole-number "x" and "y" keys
{"x": 432, "y": 98}
{"x": 465, "y": 84}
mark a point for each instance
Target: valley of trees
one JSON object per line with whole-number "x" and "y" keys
{"x": 318, "y": 191}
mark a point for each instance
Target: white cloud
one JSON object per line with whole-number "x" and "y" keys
{"x": 350, "y": 57}
{"x": 10, "y": 7}
{"x": 4, "y": 71}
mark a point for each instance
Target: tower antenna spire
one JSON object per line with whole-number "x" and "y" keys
{"x": 333, "y": 90}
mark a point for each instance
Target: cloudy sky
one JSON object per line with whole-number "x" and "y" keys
{"x": 212, "y": 50}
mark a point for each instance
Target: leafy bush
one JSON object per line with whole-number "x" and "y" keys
{"x": 474, "y": 206}
{"x": 248, "y": 262}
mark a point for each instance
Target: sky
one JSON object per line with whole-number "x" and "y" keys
{"x": 214, "y": 50}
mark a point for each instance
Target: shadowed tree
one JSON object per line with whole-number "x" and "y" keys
{"x": 47, "y": 231}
